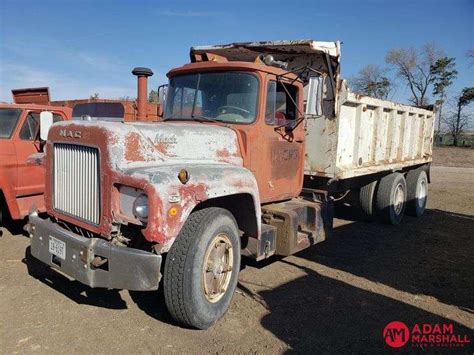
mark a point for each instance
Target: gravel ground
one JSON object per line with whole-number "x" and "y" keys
{"x": 334, "y": 297}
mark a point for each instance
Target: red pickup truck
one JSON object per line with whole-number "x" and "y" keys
{"x": 21, "y": 146}
{"x": 21, "y": 179}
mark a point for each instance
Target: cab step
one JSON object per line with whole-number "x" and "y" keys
{"x": 299, "y": 224}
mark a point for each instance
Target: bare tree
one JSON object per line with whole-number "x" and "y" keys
{"x": 372, "y": 80}
{"x": 126, "y": 98}
{"x": 470, "y": 55}
{"x": 94, "y": 97}
{"x": 457, "y": 123}
{"x": 413, "y": 68}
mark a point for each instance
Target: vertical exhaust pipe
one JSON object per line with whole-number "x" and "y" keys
{"x": 142, "y": 90}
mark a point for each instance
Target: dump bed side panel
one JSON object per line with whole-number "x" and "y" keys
{"x": 368, "y": 136}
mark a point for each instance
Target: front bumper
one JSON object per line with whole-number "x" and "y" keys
{"x": 125, "y": 268}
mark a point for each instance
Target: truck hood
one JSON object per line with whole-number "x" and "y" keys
{"x": 130, "y": 144}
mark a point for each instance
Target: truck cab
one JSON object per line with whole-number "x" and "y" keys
{"x": 261, "y": 104}
{"x": 21, "y": 174}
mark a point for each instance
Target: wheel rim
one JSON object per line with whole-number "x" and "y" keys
{"x": 421, "y": 194}
{"x": 217, "y": 268}
{"x": 399, "y": 199}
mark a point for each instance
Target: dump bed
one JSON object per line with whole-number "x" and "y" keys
{"x": 351, "y": 135}
{"x": 368, "y": 135}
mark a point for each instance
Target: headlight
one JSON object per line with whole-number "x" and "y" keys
{"x": 140, "y": 208}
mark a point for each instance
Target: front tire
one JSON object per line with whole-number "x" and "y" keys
{"x": 202, "y": 267}
{"x": 391, "y": 197}
{"x": 417, "y": 192}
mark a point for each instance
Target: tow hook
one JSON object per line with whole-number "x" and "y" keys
{"x": 98, "y": 261}
{"x": 29, "y": 228}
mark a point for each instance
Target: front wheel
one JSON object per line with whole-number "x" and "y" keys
{"x": 202, "y": 267}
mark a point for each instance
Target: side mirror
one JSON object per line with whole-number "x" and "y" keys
{"x": 314, "y": 98}
{"x": 162, "y": 91}
{"x": 46, "y": 121}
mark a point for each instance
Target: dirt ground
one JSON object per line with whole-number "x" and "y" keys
{"x": 453, "y": 156}
{"x": 334, "y": 297}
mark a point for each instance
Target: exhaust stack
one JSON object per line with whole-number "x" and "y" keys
{"x": 142, "y": 90}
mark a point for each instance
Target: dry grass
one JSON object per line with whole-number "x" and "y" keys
{"x": 453, "y": 156}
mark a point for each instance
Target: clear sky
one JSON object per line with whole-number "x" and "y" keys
{"x": 79, "y": 47}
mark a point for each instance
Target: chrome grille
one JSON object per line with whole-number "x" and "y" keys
{"x": 76, "y": 181}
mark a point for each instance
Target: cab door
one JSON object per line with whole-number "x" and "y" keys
{"x": 277, "y": 152}
{"x": 30, "y": 179}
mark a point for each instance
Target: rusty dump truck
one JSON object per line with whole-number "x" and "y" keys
{"x": 256, "y": 144}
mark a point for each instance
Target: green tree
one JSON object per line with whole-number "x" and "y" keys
{"x": 153, "y": 96}
{"x": 443, "y": 72}
{"x": 372, "y": 81}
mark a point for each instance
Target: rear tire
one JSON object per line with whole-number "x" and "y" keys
{"x": 366, "y": 200}
{"x": 391, "y": 197}
{"x": 202, "y": 268}
{"x": 417, "y": 192}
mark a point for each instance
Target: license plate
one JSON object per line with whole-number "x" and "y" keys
{"x": 57, "y": 247}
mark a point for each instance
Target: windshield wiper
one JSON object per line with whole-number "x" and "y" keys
{"x": 173, "y": 116}
{"x": 200, "y": 118}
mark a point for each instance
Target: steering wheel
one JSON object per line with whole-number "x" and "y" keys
{"x": 234, "y": 108}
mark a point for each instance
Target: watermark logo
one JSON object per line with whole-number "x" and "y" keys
{"x": 396, "y": 334}
{"x": 423, "y": 335}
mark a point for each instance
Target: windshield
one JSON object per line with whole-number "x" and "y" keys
{"x": 221, "y": 96}
{"x": 99, "y": 109}
{"x": 8, "y": 121}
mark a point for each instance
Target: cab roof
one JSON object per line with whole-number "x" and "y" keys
{"x": 240, "y": 65}
{"x": 247, "y": 51}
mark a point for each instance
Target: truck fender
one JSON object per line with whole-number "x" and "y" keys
{"x": 172, "y": 201}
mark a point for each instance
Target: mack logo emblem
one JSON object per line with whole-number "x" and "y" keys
{"x": 69, "y": 133}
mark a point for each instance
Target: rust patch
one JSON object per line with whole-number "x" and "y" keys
{"x": 162, "y": 148}
{"x": 132, "y": 148}
{"x": 223, "y": 153}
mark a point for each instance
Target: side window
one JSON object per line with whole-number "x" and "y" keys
{"x": 30, "y": 127}
{"x": 286, "y": 97}
{"x": 270, "y": 106}
{"x": 57, "y": 117}
{"x": 280, "y": 105}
